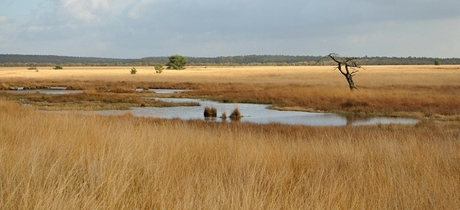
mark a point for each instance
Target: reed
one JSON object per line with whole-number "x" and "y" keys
{"x": 210, "y": 112}
{"x": 236, "y": 114}
{"x": 224, "y": 116}
{"x": 72, "y": 161}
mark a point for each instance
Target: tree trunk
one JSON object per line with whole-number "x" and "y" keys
{"x": 348, "y": 62}
{"x": 351, "y": 84}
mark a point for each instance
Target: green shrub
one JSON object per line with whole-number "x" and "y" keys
{"x": 159, "y": 68}
{"x": 133, "y": 70}
{"x": 58, "y": 67}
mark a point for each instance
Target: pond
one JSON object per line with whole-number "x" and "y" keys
{"x": 255, "y": 113}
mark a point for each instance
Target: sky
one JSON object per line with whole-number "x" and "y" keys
{"x": 210, "y": 28}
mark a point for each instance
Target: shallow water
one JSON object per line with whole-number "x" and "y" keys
{"x": 258, "y": 113}
{"x": 167, "y": 91}
{"x": 254, "y": 113}
{"x": 47, "y": 91}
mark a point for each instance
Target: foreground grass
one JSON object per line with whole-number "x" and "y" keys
{"x": 71, "y": 161}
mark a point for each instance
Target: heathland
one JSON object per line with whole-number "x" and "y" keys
{"x": 75, "y": 161}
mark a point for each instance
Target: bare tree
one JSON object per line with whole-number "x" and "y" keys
{"x": 347, "y": 67}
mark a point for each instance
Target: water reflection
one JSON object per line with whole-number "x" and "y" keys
{"x": 258, "y": 113}
{"x": 167, "y": 91}
{"x": 46, "y": 91}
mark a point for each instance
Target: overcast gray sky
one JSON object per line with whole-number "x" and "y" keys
{"x": 142, "y": 28}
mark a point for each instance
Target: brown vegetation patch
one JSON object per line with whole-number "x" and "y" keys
{"x": 236, "y": 114}
{"x": 89, "y": 100}
{"x": 210, "y": 112}
{"x": 354, "y": 103}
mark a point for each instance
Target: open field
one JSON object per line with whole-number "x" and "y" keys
{"x": 73, "y": 161}
{"x": 309, "y": 75}
{"x": 415, "y": 91}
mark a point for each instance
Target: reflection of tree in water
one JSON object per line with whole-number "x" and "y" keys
{"x": 352, "y": 119}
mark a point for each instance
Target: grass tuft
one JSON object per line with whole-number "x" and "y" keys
{"x": 210, "y": 112}
{"x": 236, "y": 114}
{"x": 224, "y": 116}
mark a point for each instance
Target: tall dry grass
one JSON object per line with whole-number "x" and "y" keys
{"x": 81, "y": 77}
{"x": 417, "y": 91}
{"x": 416, "y": 101}
{"x": 71, "y": 161}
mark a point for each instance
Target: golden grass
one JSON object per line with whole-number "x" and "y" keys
{"x": 416, "y": 91}
{"x": 308, "y": 75}
{"x": 71, "y": 161}
{"x": 415, "y": 101}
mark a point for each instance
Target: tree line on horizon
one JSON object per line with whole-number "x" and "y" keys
{"x": 10, "y": 60}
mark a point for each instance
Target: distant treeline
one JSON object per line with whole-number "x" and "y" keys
{"x": 8, "y": 60}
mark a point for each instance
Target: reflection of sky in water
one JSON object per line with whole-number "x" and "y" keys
{"x": 255, "y": 113}
{"x": 258, "y": 113}
{"x": 46, "y": 91}
{"x": 166, "y": 91}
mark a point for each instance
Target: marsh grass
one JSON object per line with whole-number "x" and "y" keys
{"x": 90, "y": 100}
{"x": 415, "y": 91}
{"x": 71, "y": 161}
{"x": 369, "y": 100}
{"x": 236, "y": 114}
{"x": 224, "y": 116}
{"x": 210, "y": 112}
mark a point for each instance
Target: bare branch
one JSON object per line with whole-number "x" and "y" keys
{"x": 351, "y": 67}
{"x": 334, "y": 57}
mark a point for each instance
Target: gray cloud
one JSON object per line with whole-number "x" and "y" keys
{"x": 138, "y": 28}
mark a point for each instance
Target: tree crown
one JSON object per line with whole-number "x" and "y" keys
{"x": 177, "y": 62}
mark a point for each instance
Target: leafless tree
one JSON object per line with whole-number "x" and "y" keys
{"x": 347, "y": 67}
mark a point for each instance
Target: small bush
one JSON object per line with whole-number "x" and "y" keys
{"x": 133, "y": 70}
{"x": 236, "y": 114}
{"x": 58, "y": 67}
{"x": 210, "y": 112}
{"x": 159, "y": 68}
{"x": 437, "y": 62}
